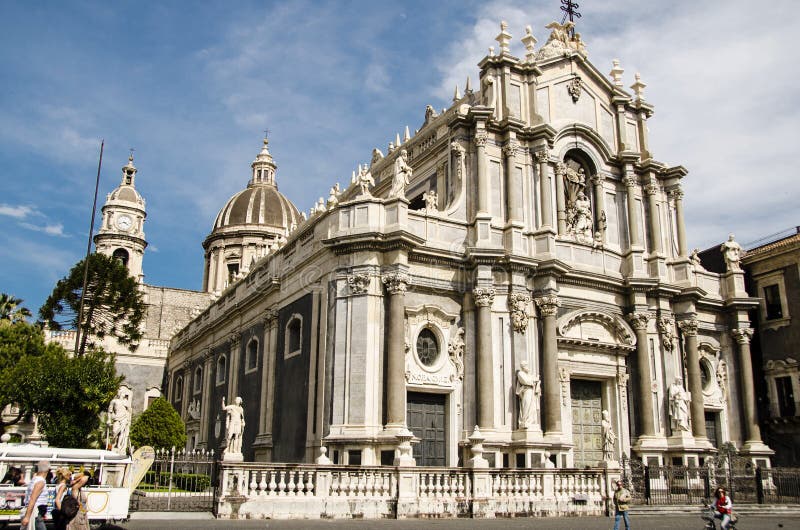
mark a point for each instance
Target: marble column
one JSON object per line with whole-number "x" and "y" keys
{"x": 233, "y": 367}
{"x": 483, "y": 177}
{"x": 689, "y": 330}
{"x": 752, "y": 431}
{"x": 561, "y": 207}
{"x": 484, "y": 365}
{"x": 644, "y": 381}
{"x": 396, "y": 285}
{"x": 205, "y": 416}
{"x": 267, "y": 370}
{"x": 513, "y": 183}
{"x": 633, "y": 213}
{"x": 545, "y": 192}
{"x": 599, "y": 206}
{"x": 677, "y": 194}
{"x": 551, "y": 391}
{"x": 655, "y": 224}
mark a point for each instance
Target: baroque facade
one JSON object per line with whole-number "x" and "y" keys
{"x": 518, "y": 266}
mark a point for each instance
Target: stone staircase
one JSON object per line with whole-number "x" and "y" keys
{"x": 789, "y": 510}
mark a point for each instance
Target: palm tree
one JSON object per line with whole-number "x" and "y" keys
{"x": 10, "y": 308}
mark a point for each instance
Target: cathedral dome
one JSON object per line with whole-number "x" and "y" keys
{"x": 248, "y": 225}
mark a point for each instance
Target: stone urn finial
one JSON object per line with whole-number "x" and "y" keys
{"x": 477, "y": 460}
{"x": 323, "y": 459}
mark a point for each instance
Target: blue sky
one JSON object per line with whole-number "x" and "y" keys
{"x": 191, "y": 86}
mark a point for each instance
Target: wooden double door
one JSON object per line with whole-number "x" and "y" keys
{"x": 426, "y": 417}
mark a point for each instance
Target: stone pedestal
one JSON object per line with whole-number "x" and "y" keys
{"x": 232, "y": 457}
{"x": 404, "y": 456}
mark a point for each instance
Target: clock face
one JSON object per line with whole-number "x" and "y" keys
{"x": 124, "y": 222}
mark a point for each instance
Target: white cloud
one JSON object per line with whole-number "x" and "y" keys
{"x": 719, "y": 79}
{"x": 56, "y": 229}
{"x": 17, "y": 212}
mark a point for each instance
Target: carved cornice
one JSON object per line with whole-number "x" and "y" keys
{"x": 484, "y": 296}
{"x": 676, "y": 194}
{"x": 742, "y": 335}
{"x": 511, "y": 148}
{"x": 396, "y": 283}
{"x": 542, "y": 155}
{"x": 688, "y": 327}
{"x": 639, "y": 319}
{"x": 358, "y": 283}
{"x": 480, "y": 139}
{"x": 630, "y": 181}
{"x": 270, "y": 316}
{"x": 652, "y": 187}
{"x": 548, "y": 305}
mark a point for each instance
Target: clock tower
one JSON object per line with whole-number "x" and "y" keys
{"x": 121, "y": 233}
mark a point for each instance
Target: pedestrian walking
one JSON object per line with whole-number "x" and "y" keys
{"x": 36, "y": 499}
{"x": 723, "y": 507}
{"x": 622, "y": 499}
{"x": 63, "y": 477}
{"x": 81, "y": 519}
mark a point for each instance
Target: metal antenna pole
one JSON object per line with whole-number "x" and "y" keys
{"x": 88, "y": 251}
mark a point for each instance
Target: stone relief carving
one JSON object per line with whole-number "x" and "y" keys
{"x": 578, "y": 208}
{"x": 596, "y": 326}
{"x": 666, "y": 327}
{"x": 679, "y": 400}
{"x": 456, "y": 351}
{"x": 742, "y": 335}
{"x": 622, "y": 383}
{"x": 639, "y": 319}
{"x": 563, "y": 377}
{"x": 528, "y": 390}
{"x": 333, "y": 197}
{"x": 561, "y": 41}
{"x": 481, "y": 138}
{"x": 609, "y": 437}
{"x": 193, "y": 410}
{"x": 377, "y": 155}
{"x": 688, "y": 327}
{"x": 574, "y": 88}
{"x": 431, "y": 201}
{"x": 732, "y": 252}
{"x": 548, "y": 305}
{"x": 402, "y": 176}
{"x": 721, "y": 374}
{"x": 518, "y": 304}
{"x": 358, "y": 282}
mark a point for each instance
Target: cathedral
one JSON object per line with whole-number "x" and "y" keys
{"x": 517, "y": 266}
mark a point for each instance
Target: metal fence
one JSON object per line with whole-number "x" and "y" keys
{"x": 745, "y": 482}
{"x": 177, "y": 481}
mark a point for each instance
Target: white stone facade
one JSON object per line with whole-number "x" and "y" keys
{"x": 536, "y": 228}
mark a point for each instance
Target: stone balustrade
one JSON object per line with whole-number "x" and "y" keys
{"x": 267, "y": 491}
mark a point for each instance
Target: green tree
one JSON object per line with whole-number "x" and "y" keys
{"x": 67, "y": 393}
{"x": 11, "y": 308}
{"x": 160, "y": 426}
{"x": 19, "y": 340}
{"x": 113, "y": 304}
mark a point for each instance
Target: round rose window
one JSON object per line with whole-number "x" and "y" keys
{"x": 427, "y": 347}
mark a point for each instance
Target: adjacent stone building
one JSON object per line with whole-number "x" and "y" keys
{"x": 773, "y": 269}
{"x": 519, "y": 264}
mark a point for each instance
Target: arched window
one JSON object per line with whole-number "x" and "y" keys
{"x": 294, "y": 336}
{"x": 122, "y": 255}
{"x": 198, "y": 379}
{"x": 252, "y": 355}
{"x": 178, "y": 394}
{"x": 222, "y": 369}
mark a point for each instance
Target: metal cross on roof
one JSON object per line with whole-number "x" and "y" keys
{"x": 570, "y": 10}
{"x": 266, "y": 133}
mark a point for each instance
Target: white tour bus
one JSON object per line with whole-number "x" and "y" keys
{"x": 114, "y": 477}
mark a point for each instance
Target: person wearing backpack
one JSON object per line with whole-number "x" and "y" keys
{"x": 36, "y": 499}
{"x": 63, "y": 511}
{"x": 81, "y": 519}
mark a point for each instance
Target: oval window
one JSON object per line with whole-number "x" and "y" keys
{"x": 427, "y": 347}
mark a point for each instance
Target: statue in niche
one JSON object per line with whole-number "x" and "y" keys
{"x": 234, "y": 426}
{"x": 609, "y": 437}
{"x": 431, "y": 201}
{"x": 528, "y": 390}
{"x": 732, "y": 252}
{"x": 402, "y": 176}
{"x": 679, "y": 400}
{"x": 722, "y": 375}
{"x": 581, "y": 218}
{"x": 193, "y": 410}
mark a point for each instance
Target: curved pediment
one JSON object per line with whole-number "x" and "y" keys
{"x": 588, "y": 326}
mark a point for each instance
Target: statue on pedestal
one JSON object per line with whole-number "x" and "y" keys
{"x": 679, "y": 406}
{"x": 732, "y": 252}
{"x": 402, "y": 176}
{"x": 234, "y": 427}
{"x": 528, "y": 390}
{"x": 119, "y": 416}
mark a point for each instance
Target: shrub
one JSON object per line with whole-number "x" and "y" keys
{"x": 159, "y": 426}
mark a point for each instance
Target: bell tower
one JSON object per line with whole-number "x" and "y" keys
{"x": 121, "y": 233}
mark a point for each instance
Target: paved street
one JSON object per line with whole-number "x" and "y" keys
{"x": 669, "y": 522}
